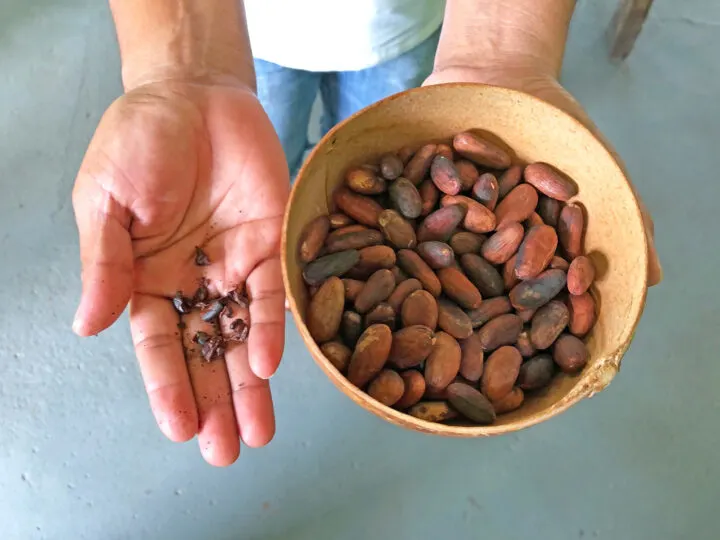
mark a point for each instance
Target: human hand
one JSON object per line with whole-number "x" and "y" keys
{"x": 174, "y": 165}
{"x": 543, "y": 85}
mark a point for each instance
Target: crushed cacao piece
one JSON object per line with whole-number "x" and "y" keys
{"x": 214, "y": 310}
{"x": 201, "y": 258}
{"x": 201, "y": 337}
{"x": 183, "y": 304}
{"x": 239, "y": 296}
{"x": 213, "y": 348}
{"x": 201, "y": 295}
{"x": 240, "y": 331}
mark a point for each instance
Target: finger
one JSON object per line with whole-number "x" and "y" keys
{"x": 106, "y": 257}
{"x": 267, "y": 318}
{"x": 158, "y": 346}
{"x": 218, "y": 433}
{"x": 252, "y": 400}
{"x": 655, "y": 271}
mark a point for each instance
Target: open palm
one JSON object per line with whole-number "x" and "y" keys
{"x": 173, "y": 166}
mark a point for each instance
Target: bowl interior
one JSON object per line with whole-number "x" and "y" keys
{"x": 535, "y": 131}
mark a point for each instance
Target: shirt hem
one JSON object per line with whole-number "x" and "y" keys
{"x": 386, "y": 55}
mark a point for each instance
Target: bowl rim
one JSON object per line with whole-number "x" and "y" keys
{"x": 604, "y": 370}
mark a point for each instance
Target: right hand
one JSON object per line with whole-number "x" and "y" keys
{"x": 174, "y": 165}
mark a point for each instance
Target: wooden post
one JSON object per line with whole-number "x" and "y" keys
{"x": 626, "y": 25}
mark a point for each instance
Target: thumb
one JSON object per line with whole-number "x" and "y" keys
{"x": 106, "y": 256}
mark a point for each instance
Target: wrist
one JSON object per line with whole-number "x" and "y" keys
{"x": 517, "y": 35}
{"x": 188, "y": 40}
{"x": 495, "y": 69}
{"x": 140, "y": 73}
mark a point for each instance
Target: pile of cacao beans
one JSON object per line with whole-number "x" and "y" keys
{"x": 449, "y": 282}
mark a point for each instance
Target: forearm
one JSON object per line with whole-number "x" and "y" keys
{"x": 171, "y": 39}
{"x": 518, "y": 33}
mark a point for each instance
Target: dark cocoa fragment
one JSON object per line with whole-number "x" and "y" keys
{"x": 201, "y": 337}
{"x": 201, "y": 258}
{"x": 239, "y": 296}
{"x": 212, "y": 312}
{"x": 239, "y": 331}
{"x": 201, "y": 295}
{"x": 183, "y": 304}
{"x": 213, "y": 348}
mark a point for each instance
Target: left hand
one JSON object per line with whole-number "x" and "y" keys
{"x": 546, "y": 87}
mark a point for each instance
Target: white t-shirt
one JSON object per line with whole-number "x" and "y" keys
{"x": 339, "y": 35}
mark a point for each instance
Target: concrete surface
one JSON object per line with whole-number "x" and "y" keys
{"x": 80, "y": 456}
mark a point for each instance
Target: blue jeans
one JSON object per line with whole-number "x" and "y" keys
{"x": 288, "y": 94}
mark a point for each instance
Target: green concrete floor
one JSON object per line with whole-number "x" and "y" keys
{"x": 80, "y": 456}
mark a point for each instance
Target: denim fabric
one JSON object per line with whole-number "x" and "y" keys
{"x": 288, "y": 94}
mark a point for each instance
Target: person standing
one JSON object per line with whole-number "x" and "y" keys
{"x": 200, "y": 148}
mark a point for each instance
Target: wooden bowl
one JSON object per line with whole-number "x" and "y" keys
{"x": 536, "y": 131}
